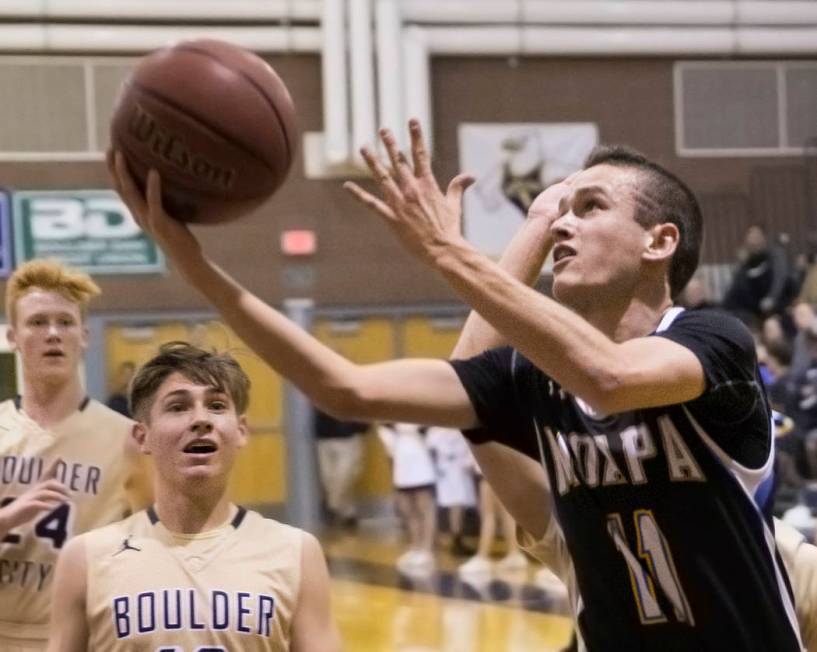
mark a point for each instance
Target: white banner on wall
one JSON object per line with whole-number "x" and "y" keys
{"x": 513, "y": 163}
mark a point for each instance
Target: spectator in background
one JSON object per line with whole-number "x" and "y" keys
{"x": 763, "y": 284}
{"x": 804, "y": 383}
{"x": 803, "y": 316}
{"x": 414, "y": 480}
{"x": 455, "y": 479}
{"x": 340, "y": 459}
{"x": 773, "y": 331}
{"x": 490, "y": 509}
{"x": 118, "y": 399}
{"x": 807, "y": 268}
{"x": 696, "y": 294}
{"x": 781, "y": 389}
{"x": 789, "y": 441}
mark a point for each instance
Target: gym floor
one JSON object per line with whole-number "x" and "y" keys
{"x": 381, "y": 610}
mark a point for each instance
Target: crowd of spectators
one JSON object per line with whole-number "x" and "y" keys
{"x": 775, "y": 294}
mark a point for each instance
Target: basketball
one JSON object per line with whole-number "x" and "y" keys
{"x": 214, "y": 120}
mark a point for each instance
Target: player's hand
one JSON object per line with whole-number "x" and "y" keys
{"x": 546, "y": 207}
{"x": 525, "y": 254}
{"x": 47, "y": 494}
{"x": 171, "y": 235}
{"x": 412, "y": 203}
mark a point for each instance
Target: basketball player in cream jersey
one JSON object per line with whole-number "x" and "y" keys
{"x": 194, "y": 572}
{"x": 65, "y": 462}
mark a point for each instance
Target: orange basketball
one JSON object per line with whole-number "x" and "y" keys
{"x": 215, "y": 120}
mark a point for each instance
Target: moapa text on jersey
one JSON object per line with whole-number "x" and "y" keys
{"x": 26, "y": 470}
{"x": 187, "y": 609}
{"x": 593, "y": 464}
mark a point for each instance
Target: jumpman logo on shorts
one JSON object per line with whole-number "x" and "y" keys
{"x": 126, "y": 546}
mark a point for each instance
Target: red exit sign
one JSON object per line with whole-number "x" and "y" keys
{"x": 298, "y": 242}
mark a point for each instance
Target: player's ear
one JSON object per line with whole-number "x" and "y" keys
{"x": 139, "y": 434}
{"x": 11, "y": 338}
{"x": 661, "y": 241}
{"x": 243, "y": 431}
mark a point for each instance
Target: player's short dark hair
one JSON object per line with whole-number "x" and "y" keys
{"x": 208, "y": 368}
{"x": 665, "y": 199}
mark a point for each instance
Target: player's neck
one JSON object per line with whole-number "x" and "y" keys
{"x": 191, "y": 513}
{"x": 636, "y": 318}
{"x": 50, "y": 403}
{"x": 639, "y": 321}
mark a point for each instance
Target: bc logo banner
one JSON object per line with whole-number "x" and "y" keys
{"x": 92, "y": 230}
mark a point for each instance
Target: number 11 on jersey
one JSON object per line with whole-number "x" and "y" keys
{"x": 653, "y": 553}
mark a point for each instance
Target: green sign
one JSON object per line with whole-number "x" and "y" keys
{"x": 89, "y": 229}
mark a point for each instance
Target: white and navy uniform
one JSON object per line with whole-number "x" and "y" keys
{"x": 656, "y": 510}
{"x": 231, "y": 589}
{"x": 91, "y": 443}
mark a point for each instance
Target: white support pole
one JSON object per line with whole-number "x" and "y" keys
{"x": 390, "y": 66}
{"x": 362, "y": 73}
{"x": 335, "y": 83}
{"x": 417, "y": 86}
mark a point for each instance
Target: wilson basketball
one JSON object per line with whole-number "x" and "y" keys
{"x": 217, "y": 123}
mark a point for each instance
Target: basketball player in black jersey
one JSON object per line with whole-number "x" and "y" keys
{"x": 650, "y": 423}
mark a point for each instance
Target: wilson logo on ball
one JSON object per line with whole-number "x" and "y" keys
{"x": 145, "y": 129}
{"x": 216, "y": 122}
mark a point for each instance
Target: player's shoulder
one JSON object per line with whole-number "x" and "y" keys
{"x": 277, "y": 538}
{"x": 702, "y": 318}
{"x": 105, "y": 423}
{"x": 8, "y": 410}
{"x": 701, "y": 323}
{"x": 255, "y": 521}
{"x": 97, "y": 410}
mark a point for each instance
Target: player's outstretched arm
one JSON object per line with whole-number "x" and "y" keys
{"x": 609, "y": 376}
{"x": 420, "y": 391}
{"x": 69, "y": 627}
{"x": 47, "y": 494}
{"x": 313, "y": 628}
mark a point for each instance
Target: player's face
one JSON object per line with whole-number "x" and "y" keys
{"x": 49, "y": 335}
{"x": 193, "y": 431}
{"x": 598, "y": 243}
